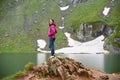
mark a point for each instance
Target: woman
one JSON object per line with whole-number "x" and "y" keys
{"x": 52, "y": 35}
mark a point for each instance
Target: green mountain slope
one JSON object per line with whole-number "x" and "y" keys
{"x": 91, "y": 12}
{"x": 114, "y": 20}
{"x": 88, "y": 12}
{"x": 24, "y": 23}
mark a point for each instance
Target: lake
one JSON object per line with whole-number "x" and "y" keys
{"x": 12, "y": 63}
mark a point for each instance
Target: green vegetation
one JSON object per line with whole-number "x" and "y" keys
{"x": 28, "y": 67}
{"x": 89, "y": 12}
{"x": 60, "y": 39}
{"x": 111, "y": 39}
{"x": 114, "y": 17}
{"x": 22, "y": 23}
{"x": 20, "y": 73}
{"x": 114, "y": 20}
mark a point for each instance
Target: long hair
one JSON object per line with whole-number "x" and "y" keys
{"x": 53, "y": 22}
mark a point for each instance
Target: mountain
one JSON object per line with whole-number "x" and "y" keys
{"x": 89, "y": 14}
{"x": 23, "y": 22}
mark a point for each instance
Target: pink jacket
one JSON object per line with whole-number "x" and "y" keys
{"x": 52, "y": 31}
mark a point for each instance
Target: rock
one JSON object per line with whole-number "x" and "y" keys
{"x": 63, "y": 69}
{"x": 74, "y": 2}
{"x": 35, "y": 21}
{"x": 16, "y": 0}
{"x": 85, "y": 73}
{"x": 117, "y": 40}
{"x": 6, "y": 35}
{"x": 36, "y": 12}
{"x": 88, "y": 32}
{"x": 113, "y": 49}
{"x": 104, "y": 77}
{"x": 61, "y": 72}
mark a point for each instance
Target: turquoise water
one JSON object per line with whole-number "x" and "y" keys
{"x": 109, "y": 63}
{"x": 12, "y": 63}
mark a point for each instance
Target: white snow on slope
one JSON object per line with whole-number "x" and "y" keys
{"x": 106, "y": 11}
{"x": 41, "y": 43}
{"x": 64, "y": 8}
{"x": 71, "y": 42}
{"x": 61, "y": 27}
{"x": 94, "y": 46}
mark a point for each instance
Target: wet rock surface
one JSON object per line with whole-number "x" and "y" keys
{"x": 64, "y": 69}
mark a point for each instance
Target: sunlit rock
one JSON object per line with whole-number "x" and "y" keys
{"x": 64, "y": 69}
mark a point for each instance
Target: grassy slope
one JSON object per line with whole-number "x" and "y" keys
{"x": 91, "y": 12}
{"x": 114, "y": 17}
{"x": 26, "y": 22}
{"x": 114, "y": 20}
{"x": 22, "y": 25}
{"x": 88, "y": 12}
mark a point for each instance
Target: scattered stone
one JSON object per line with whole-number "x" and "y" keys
{"x": 16, "y": 0}
{"x": 36, "y": 12}
{"x": 35, "y": 21}
{"x": 6, "y": 35}
{"x": 117, "y": 40}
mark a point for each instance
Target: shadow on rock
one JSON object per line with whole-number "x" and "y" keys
{"x": 64, "y": 69}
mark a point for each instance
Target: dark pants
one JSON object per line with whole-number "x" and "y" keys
{"x": 51, "y": 46}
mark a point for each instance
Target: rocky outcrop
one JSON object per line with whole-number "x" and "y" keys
{"x": 87, "y": 32}
{"x": 118, "y": 41}
{"x": 113, "y": 49}
{"x": 84, "y": 33}
{"x": 63, "y": 69}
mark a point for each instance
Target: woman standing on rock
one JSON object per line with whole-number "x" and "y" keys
{"x": 52, "y": 35}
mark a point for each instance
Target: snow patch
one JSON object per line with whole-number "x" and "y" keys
{"x": 64, "y": 8}
{"x": 106, "y": 11}
{"x": 61, "y": 27}
{"x": 41, "y": 43}
{"x": 93, "y": 46}
{"x": 71, "y": 42}
{"x": 42, "y": 51}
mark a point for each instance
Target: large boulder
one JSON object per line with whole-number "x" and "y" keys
{"x": 63, "y": 69}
